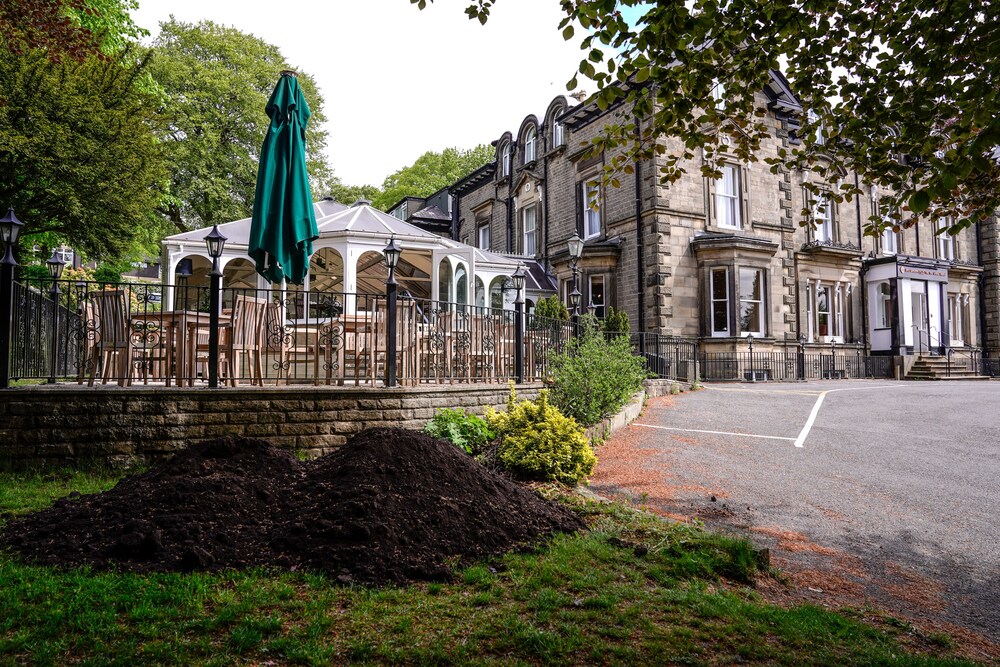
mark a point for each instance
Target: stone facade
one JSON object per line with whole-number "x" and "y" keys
{"x": 58, "y": 426}
{"x": 774, "y": 276}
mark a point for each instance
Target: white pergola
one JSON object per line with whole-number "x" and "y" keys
{"x": 353, "y": 232}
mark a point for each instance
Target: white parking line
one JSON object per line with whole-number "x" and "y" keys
{"x": 804, "y": 433}
{"x": 694, "y": 430}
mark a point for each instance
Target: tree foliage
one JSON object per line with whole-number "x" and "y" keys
{"x": 216, "y": 82}
{"x": 75, "y": 29}
{"x": 78, "y": 157}
{"x": 431, "y": 172}
{"x": 905, "y": 91}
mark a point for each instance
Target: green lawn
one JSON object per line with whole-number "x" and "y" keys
{"x": 684, "y": 596}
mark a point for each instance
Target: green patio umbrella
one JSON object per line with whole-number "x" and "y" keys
{"x": 284, "y": 224}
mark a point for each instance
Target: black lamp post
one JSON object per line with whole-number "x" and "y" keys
{"x": 55, "y": 265}
{"x": 575, "y": 246}
{"x": 517, "y": 281}
{"x": 753, "y": 375}
{"x": 802, "y": 356}
{"x": 10, "y": 228}
{"x": 215, "y": 242}
{"x": 392, "y": 253}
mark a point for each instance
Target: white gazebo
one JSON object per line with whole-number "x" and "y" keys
{"x": 347, "y": 258}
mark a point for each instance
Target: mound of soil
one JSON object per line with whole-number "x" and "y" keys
{"x": 389, "y": 506}
{"x": 211, "y": 506}
{"x": 393, "y": 505}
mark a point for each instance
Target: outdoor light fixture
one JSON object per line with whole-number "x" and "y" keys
{"x": 574, "y": 299}
{"x": 10, "y": 228}
{"x": 215, "y": 242}
{"x": 55, "y": 265}
{"x": 518, "y": 278}
{"x": 575, "y": 245}
{"x": 392, "y": 253}
{"x": 80, "y": 289}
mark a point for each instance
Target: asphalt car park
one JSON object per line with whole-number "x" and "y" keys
{"x": 900, "y": 480}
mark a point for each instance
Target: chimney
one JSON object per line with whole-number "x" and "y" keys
{"x": 579, "y": 96}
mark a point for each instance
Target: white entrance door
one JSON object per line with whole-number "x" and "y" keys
{"x": 921, "y": 335}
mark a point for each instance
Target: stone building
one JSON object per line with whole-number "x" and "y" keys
{"x": 718, "y": 260}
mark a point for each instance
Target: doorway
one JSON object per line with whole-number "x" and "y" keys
{"x": 921, "y": 332}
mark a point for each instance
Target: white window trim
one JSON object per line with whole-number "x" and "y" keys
{"x": 479, "y": 237}
{"x": 838, "y": 292}
{"x": 527, "y": 235}
{"x": 505, "y": 160}
{"x": 591, "y": 212}
{"x": 822, "y": 212}
{"x": 530, "y": 144}
{"x": 761, "y": 302}
{"x": 558, "y": 134}
{"x": 732, "y": 198}
{"x": 713, "y": 301}
{"x": 884, "y": 301}
{"x": 944, "y": 242}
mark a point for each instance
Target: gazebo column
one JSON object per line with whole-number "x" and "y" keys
{"x": 470, "y": 280}
{"x": 435, "y": 275}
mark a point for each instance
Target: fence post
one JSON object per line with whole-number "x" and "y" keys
{"x": 215, "y": 309}
{"x": 802, "y": 357}
{"x": 390, "y": 331}
{"x": 519, "y": 338}
{"x": 6, "y": 314}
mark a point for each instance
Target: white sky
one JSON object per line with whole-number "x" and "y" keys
{"x": 419, "y": 80}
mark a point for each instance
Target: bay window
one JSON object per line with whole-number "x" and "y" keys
{"x": 826, "y": 304}
{"x": 751, "y": 302}
{"x": 719, "y": 289}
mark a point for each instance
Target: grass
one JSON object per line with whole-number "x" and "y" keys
{"x": 633, "y": 590}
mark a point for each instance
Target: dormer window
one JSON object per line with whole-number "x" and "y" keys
{"x": 505, "y": 161}
{"x": 558, "y": 134}
{"x": 530, "y": 138}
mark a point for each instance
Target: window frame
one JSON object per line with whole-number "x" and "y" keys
{"x": 884, "y": 295}
{"x": 603, "y": 305}
{"x": 824, "y": 233}
{"x": 713, "y": 300}
{"x": 505, "y": 155}
{"x": 591, "y": 213}
{"x": 530, "y": 145}
{"x": 558, "y": 134}
{"x": 735, "y": 199}
{"x": 761, "y": 301}
{"x": 479, "y": 236}
{"x": 531, "y": 236}
{"x": 944, "y": 243}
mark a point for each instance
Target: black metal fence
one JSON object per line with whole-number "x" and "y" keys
{"x": 126, "y": 333}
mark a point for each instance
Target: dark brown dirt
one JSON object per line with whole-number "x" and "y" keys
{"x": 389, "y": 506}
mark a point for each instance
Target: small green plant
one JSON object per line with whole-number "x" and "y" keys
{"x": 616, "y": 322}
{"x": 595, "y": 375}
{"x": 551, "y": 308}
{"x": 538, "y": 442}
{"x": 468, "y": 432}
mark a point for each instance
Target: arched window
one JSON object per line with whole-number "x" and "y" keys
{"x": 461, "y": 285}
{"x": 444, "y": 281}
{"x": 505, "y": 160}
{"x": 530, "y": 142}
{"x": 480, "y": 292}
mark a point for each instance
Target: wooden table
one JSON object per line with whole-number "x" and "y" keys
{"x": 182, "y": 328}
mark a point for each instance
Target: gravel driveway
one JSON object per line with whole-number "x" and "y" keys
{"x": 891, "y": 495}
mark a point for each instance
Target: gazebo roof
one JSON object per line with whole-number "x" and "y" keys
{"x": 237, "y": 232}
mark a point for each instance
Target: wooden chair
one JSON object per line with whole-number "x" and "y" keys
{"x": 113, "y": 340}
{"x": 244, "y": 338}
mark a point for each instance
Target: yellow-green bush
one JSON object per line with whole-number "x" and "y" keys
{"x": 539, "y": 442}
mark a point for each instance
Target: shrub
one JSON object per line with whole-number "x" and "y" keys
{"x": 595, "y": 375}
{"x": 616, "y": 321}
{"x": 108, "y": 272}
{"x": 552, "y": 308}
{"x": 538, "y": 442}
{"x": 466, "y": 431}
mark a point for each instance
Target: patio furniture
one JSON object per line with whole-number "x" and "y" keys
{"x": 244, "y": 339}
{"x": 123, "y": 342}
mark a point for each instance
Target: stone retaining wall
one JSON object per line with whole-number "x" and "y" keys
{"x": 59, "y": 426}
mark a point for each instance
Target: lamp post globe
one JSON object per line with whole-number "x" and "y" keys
{"x": 392, "y": 252}
{"x": 10, "y": 229}
{"x": 215, "y": 242}
{"x": 517, "y": 279}
{"x": 575, "y": 246}
{"x": 55, "y": 264}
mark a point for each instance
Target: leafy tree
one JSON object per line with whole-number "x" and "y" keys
{"x": 75, "y": 29}
{"x": 431, "y": 172}
{"x": 78, "y": 157}
{"x": 216, "y": 82}
{"x": 905, "y": 92}
{"x": 348, "y": 194}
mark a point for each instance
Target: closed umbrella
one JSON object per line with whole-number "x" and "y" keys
{"x": 284, "y": 224}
